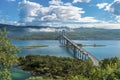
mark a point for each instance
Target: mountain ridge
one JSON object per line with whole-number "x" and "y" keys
{"x": 49, "y": 33}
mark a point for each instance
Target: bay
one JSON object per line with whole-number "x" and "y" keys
{"x": 111, "y": 49}
{"x": 53, "y": 49}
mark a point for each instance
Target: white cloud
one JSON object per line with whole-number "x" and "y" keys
{"x": 11, "y": 0}
{"x": 89, "y": 19}
{"x": 86, "y": 1}
{"x": 95, "y": 25}
{"x": 116, "y": 0}
{"x": 102, "y": 5}
{"x": 56, "y": 2}
{"x": 42, "y": 30}
{"x": 2, "y": 21}
{"x": 57, "y": 11}
{"x": 104, "y": 25}
{"x": 113, "y": 7}
{"x": 118, "y": 19}
{"x": 28, "y": 10}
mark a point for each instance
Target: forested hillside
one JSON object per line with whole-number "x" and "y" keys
{"x": 24, "y": 33}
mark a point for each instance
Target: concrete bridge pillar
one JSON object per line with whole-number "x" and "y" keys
{"x": 74, "y": 51}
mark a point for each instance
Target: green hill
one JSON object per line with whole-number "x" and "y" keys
{"x": 23, "y": 33}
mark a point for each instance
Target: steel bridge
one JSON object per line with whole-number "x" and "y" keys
{"x": 77, "y": 51}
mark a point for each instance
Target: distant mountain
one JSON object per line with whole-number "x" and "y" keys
{"x": 14, "y": 28}
{"x": 47, "y": 32}
{"x": 39, "y": 32}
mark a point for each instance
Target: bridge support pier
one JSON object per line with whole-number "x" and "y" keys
{"x": 75, "y": 52}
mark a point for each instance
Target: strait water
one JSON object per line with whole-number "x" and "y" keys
{"x": 53, "y": 49}
{"x": 111, "y": 49}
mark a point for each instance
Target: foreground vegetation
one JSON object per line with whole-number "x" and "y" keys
{"x": 70, "y": 69}
{"x": 8, "y": 56}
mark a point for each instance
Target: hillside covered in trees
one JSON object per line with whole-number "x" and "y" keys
{"x": 41, "y": 33}
{"x": 62, "y": 68}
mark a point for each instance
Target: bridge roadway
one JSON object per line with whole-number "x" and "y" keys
{"x": 67, "y": 41}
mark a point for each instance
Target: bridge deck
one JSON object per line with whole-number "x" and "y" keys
{"x": 94, "y": 59}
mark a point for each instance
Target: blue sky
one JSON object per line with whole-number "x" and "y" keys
{"x": 72, "y": 13}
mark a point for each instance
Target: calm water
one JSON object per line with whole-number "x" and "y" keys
{"x": 18, "y": 74}
{"x": 53, "y": 48}
{"x": 111, "y": 49}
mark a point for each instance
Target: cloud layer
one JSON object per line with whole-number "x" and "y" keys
{"x": 42, "y": 30}
{"x": 32, "y": 13}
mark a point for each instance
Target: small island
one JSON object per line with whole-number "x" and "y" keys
{"x": 91, "y": 45}
{"x": 34, "y": 46}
